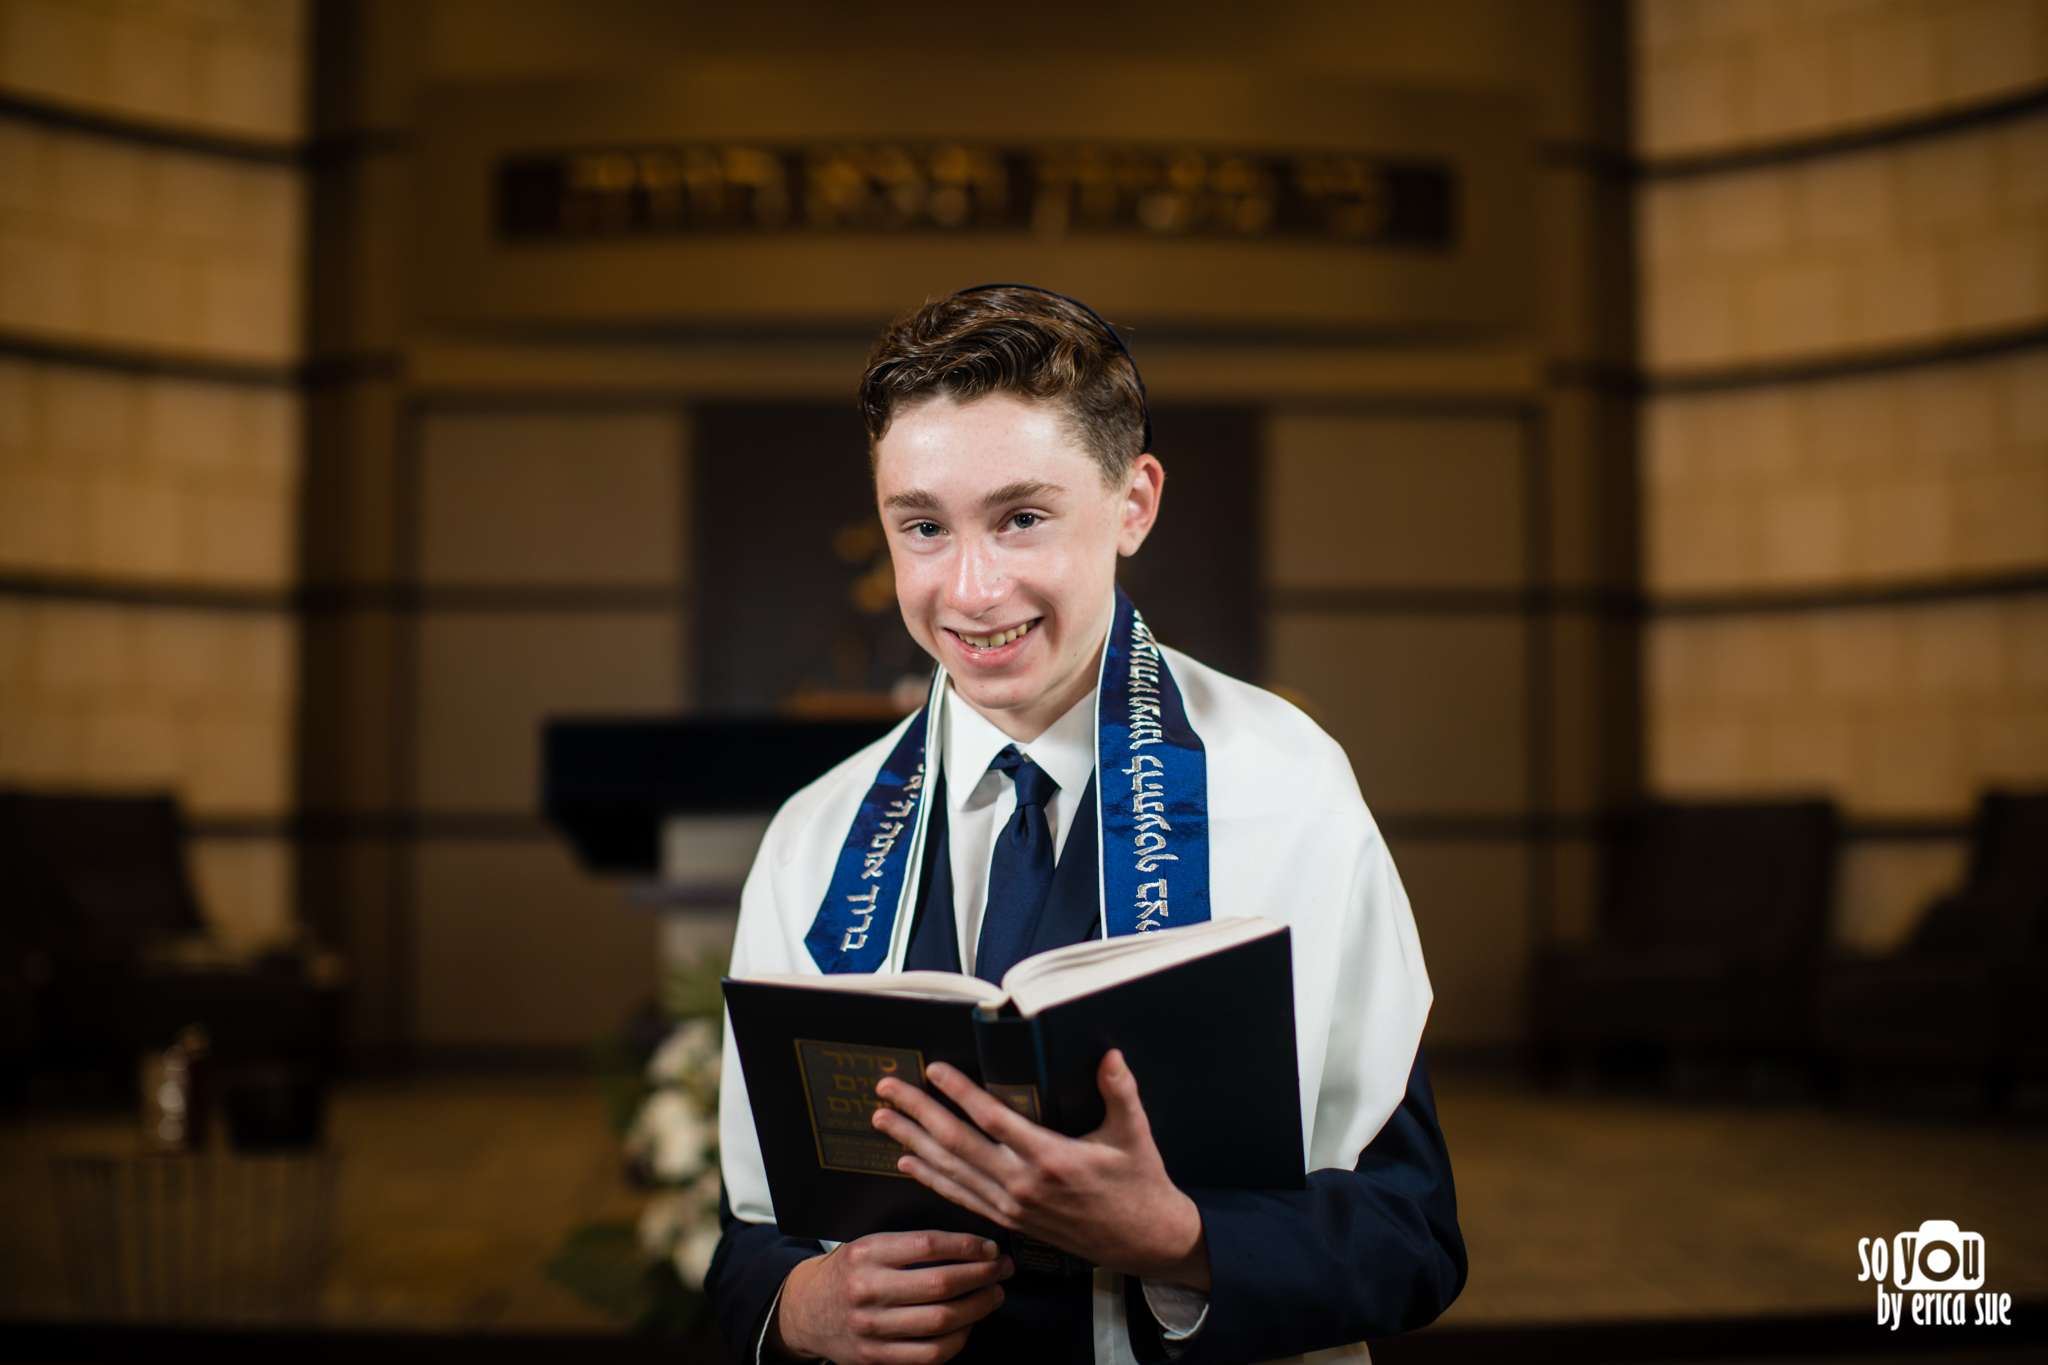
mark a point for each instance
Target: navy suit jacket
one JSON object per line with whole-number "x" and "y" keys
{"x": 1363, "y": 1253}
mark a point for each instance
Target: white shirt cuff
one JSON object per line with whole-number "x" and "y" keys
{"x": 774, "y": 1307}
{"x": 1179, "y": 1310}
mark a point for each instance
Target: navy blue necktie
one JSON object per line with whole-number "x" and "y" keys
{"x": 1019, "y": 872}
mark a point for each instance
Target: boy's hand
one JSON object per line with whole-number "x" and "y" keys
{"x": 861, "y": 1304}
{"x": 1105, "y": 1196}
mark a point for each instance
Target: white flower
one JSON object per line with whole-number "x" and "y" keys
{"x": 664, "y": 1220}
{"x": 693, "y": 1255}
{"x": 689, "y": 1053}
{"x": 673, "y": 1135}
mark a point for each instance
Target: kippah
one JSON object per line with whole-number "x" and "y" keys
{"x": 1144, "y": 401}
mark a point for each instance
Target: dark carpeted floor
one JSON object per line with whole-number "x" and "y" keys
{"x": 453, "y": 1193}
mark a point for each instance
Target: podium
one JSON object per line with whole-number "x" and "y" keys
{"x": 681, "y": 804}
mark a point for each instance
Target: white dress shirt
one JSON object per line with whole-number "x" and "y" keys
{"x": 979, "y": 803}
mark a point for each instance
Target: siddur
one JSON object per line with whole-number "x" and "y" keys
{"x": 1204, "y": 1015}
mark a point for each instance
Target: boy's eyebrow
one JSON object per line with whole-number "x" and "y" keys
{"x": 1021, "y": 491}
{"x": 920, "y": 500}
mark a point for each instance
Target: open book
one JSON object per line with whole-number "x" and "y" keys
{"x": 1051, "y": 978}
{"x": 1204, "y": 1015}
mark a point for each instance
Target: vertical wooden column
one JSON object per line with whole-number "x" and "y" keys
{"x": 1585, "y": 762}
{"x": 352, "y": 719}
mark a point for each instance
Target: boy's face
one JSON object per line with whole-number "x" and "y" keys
{"x": 1005, "y": 543}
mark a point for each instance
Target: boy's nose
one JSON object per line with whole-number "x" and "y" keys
{"x": 977, "y": 580}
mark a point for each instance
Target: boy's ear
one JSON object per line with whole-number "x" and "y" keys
{"x": 1143, "y": 490}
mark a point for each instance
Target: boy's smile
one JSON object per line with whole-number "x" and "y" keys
{"x": 1005, "y": 540}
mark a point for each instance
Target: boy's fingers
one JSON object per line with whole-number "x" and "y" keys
{"x": 1000, "y": 1121}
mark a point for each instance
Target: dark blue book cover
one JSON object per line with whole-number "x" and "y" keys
{"x": 1210, "y": 1041}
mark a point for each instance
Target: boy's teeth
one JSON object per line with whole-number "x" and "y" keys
{"x": 1001, "y": 638}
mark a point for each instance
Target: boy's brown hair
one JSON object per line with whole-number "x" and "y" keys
{"x": 1018, "y": 340}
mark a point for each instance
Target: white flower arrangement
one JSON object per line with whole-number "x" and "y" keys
{"x": 649, "y": 1272}
{"x": 674, "y": 1140}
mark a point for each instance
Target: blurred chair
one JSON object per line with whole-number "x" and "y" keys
{"x": 195, "y": 1239}
{"x": 1710, "y": 941}
{"x": 106, "y": 952}
{"x": 1967, "y": 997}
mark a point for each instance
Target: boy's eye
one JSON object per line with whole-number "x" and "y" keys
{"x": 1024, "y": 521}
{"x": 924, "y": 528}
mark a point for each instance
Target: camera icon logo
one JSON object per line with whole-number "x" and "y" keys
{"x": 1940, "y": 1257}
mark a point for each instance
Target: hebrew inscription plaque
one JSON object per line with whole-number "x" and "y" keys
{"x": 727, "y": 188}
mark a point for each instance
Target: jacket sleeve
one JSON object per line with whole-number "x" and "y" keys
{"x": 1364, "y": 1253}
{"x": 745, "y": 1279}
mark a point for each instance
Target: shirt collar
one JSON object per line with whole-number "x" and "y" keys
{"x": 1066, "y": 751}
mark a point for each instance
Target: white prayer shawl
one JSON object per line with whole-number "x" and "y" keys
{"x": 1290, "y": 839}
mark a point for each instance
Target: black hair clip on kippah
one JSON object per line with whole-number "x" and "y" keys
{"x": 1144, "y": 401}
